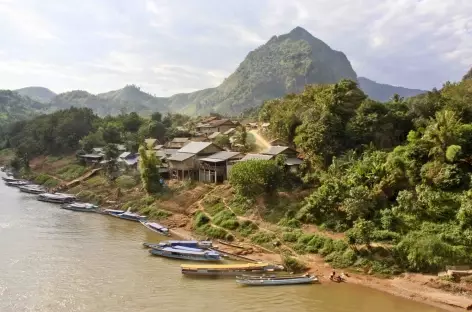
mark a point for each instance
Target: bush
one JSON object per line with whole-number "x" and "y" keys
{"x": 315, "y": 244}
{"x": 255, "y": 177}
{"x": 247, "y": 227}
{"x": 71, "y": 172}
{"x": 126, "y": 182}
{"x": 90, "y": 197}
{"x": 230, "y": 224}
{"x": 342, "y": 259}
{"x": 385, "y": 236}
{"x": 290, "y": 223}
{"x": 222, "y": 216}
{"x": 201, "y": 219}
{"x": 291, "y": 237}
{"x": 293, "y": 265}
{"x": 305, "y": 238}
{"x": 213, "y": 232}
{"x": 328, "y": 247}
{"x": 155, "y": 213}
{"x": 262, "y": 237}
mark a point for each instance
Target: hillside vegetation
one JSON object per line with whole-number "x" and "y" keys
{"x": 40, "y": 94}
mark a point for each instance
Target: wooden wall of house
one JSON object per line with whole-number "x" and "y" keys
{"x": 211, "y": 149}
{"x": 188, "y": 164}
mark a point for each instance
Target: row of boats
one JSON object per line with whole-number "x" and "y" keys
{"x": 251, "y": 274}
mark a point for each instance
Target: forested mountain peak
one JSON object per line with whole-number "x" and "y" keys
{"x": 40, "y": 94}
{"x": 468, "y": 75}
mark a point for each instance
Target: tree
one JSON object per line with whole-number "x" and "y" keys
{"x": 111, "y": 154}
{"x": 111, "y": 133}
{"x": 222, "y": 141}
{"x": 255, "y": 177}
{"x": 149, "y": 169}
{"x": 94, "y": 139}
{"x": 132, "y": 122}
{"x": 361, "y": 232}
{"x": 156, "y": 117}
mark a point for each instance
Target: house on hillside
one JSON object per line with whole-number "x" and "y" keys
{"x": 278, "y": 142}
{"x": 128, "y": 160}
{"x": 292, "y": 161}
{"x": 257, "y": 157}
{"x": 217, "y": 125}
{"x": 215, "y": 168}
{"x": 98, "y": 151}
{"x": 230, "y": 132}
{"x": 184, "y": 164}
{"x": 214, "y": 135}
{"x": 178, "y": 143}
{"x": 91, "y": 158}
{"x": 151, "y": 143}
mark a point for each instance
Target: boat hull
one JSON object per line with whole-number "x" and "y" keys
{"x": 129, "y": 218}
{"x": 188, "y": 257}
{"x": 80, "y": 209}
{"x": 29, "y": 191}
{"x": 220, "y": 273}
{"x": 155, "y": 230}
{"x": 276, "y": 281}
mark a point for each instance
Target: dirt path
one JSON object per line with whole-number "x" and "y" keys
{"x": 261, "y": 143}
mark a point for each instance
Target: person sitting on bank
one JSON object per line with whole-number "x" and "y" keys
{"x": 333, "y": 274}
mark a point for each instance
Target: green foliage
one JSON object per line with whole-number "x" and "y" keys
{"x": 290, "y": 237}
{"x": 255, "y": 177}
{"x": 226, "y": 219}
{"x": 247, "y": 228}
{"x": 71, "y": 172}
{"x": 294, "y": 265}
{"x": 155, "y": 213}
{"x": 201, "y": 219}
{"x": 126, "y": 182}
{"x": 214, "y": 232}
{"x": 263, "y": 237}
{"x": 149, "y": 168}
{"x": 361, "y": 233}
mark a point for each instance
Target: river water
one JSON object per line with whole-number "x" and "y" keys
{"x": 57, "y": 260}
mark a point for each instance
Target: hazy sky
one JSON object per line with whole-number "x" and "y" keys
{"x": 175, "y": 46}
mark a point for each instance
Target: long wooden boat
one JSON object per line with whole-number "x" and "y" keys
{"x": 130, "y": 216}
{"x": 179, "y": 253}
{"x": 10, "y": 179}
{"x": 82, "y": 207}
{"x": 32, "y": 189}
{"x": 276, "y": 281}
{"x": 185, "y": 243}
{"x": 228, "y": 269}
{"x": 156, "y": 227}
{"x": 56, "y": 198}
{"x": 17, "y": 183}
{"x": 112, "y": 211}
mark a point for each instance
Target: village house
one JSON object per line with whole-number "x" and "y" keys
{"x": 257, "y": 157}
{"x": 278, "y": 142}
{"x": 128, "y": 159}
{"x": 214, "y": 135}
{"x": 251, "y": 126}
{"x": 215, "y": 168}
{"x": 217, "y": 125}
{"x": 292, "y": 161}
{"x": 177, "y": 143}
{"x": 91, "y": 158}
{"x": 185, "y": 162}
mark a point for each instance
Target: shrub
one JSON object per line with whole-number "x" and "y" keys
{"x": 71, "y": 172}
{"x": 215, "y": 208}
{"x": 201, "y": 219}
{"x": 328, "y": 247}
{"x": 230, "y": 224}
{"x": 290, "y": 223}
{"x": 385, "y": 236}
{"x": 154, "y": 213}
{"x": 89, "y": 196}
{"x": 291, "y": 237}
{"x": 212, "y": 232}
{"x": 315, "y": 244}
{"x": 247, "y": 227}
{"x": 254, "y": 177}
{"x": 222, "y": 216}
{"x": 293, "y": 265}
{"x": 262, "y": 237}
{"x": 305, "y": 238}
{"x": 126, "y": 182}
{"x": 341, "y": 259}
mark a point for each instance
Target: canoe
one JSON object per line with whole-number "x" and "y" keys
{"x": 228, "y": 269}
{"x": 185, "y": 243}
{"x": 32, "y": 189}
{"x": 276, "y": 281}
{"x": 156, "y": 227}
{"x": 82, "y": 207}
{"x": 112, "y": 211}
{"x": 176, "y": 253}
{"x": 8, "y": 179}
{"x": 17, "y": 183}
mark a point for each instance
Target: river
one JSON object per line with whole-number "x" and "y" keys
{"x": 57, "y": 260}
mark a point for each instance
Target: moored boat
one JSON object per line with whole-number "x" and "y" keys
{"x": 83, "y": 207}
{"x": 17, "y": 183}
{"x": 185, "y": 243}
{"x": 32, "y": 189}
{"x": 179, "y": 253}
{"x": 10, "y": 179}
{"x": 112, "y": 211}
{"x": 131, "y": 216}
{"x": 56, "y": 198}
{"x": 275, "y": 280}
{"x": 156, "y": 227}
{"x": 228, "y": 269}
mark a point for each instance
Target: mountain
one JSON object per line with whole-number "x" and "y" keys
{"x": 131, "y": 95}
{"x": 101, "y": 106}
{"x": 383, "y": 92}
{"x": 14, "y": 107}
{"x": 40, "y": 94}
{"x": 283, "y": 65}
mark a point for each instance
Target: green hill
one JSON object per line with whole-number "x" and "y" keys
{"x": 14, "y": 107}
{"x": 384, "y": 92}
{"x": 40, "y": 94}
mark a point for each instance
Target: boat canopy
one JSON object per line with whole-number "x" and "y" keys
{"x": 157, "y": 226}
{"x": 223, "y": 266}
{"x": 189, "y": 252}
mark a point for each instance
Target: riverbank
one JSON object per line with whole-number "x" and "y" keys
{"x": 178, "y": 206}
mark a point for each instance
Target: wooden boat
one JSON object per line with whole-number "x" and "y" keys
{"x": 83, "y": 207}
{"x": 17, "y": 183}
{"x": 156, "y": 227}
{"x": 130, "y": 216}
{"x": 185, "y": 243}
{"x": 276, "y": 281}
{"x": 228, "y": 269}
{"x": 32, "y": 189}
{"x": 10, "y": 179}
{"x": 56, "y": 198}
{"x": 179, "y": 253}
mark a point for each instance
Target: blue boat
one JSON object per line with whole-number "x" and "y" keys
{"x": 185, "y": 243}
{"x": 156, "y": 227}
{"x": 177, "y": 253}
{"x": 131, "y": 216}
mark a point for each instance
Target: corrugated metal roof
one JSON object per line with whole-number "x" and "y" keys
{"x": 214, "y": 135}
{"x": 227, "y": 132}
{"x": 224, "y": 155}
{"x": 275, "y": 150}
{"x": 194, "y": 147}
{"x": 257, "y": 156}
{"x": 180, "y": 140}
{"x": 170, "y": 151}
{"x": 160, "y": 154}
{"x": 124, "y": 155}
{"x": 120, "y": 147}
{"x": 293, "y": 161}
{"x": 158, "y": 147}
{"x": 180, "y": 156}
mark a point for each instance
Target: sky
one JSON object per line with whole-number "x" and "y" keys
{"x": 174, "y": 46}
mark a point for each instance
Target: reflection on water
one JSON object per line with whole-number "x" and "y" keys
{"x": 58, "y": 260}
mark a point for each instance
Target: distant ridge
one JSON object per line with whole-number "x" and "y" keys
{"x": 39, "y": 94}
{"x": 383, "y": 92}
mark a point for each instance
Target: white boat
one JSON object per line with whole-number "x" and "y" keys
{"x": 32, "y": 189}
{"x": 156, "y": 227}
{"x": 56, "y": 198}
{"x": 83, "y": 207}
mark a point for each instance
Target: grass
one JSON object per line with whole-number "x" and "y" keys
{"x": 153, "y": 212}
{"x": 46, "y": 180}
{"x": 71, "y": 172}
{"x": 293, "y": 265}
{"x": 90, "y": 197}
{"x": 262, "y": 237}
{"x": 126, "y": 182}
{"x": 247, "y": 228}
{"x": 96, "y": 181}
